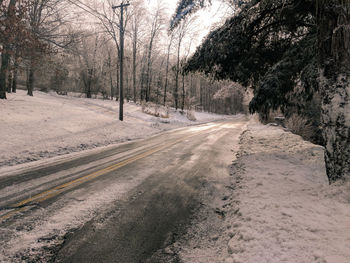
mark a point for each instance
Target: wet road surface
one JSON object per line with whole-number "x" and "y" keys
{"x": 125, "y": 203}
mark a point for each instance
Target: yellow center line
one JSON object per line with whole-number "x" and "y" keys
{"x": 59, "y": 189}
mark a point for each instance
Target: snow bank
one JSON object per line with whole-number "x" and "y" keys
{"x": 286, "y": 210}
{"x": 280, "y": 207}
{"x": 48, "y": 125}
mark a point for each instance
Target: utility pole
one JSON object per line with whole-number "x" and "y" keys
{"x": 121, "y": 56}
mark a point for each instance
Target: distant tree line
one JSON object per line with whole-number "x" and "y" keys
{"x": 43, "y": 48}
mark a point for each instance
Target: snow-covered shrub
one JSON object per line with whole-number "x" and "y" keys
{"x": 155, "y": 110}
{"x": 150, "y": 109}
{"x": 191, "y": 115}
{"x": 143, "y": 106}
{"x": 270, "y": 116}
{"x": 165, "y": 112}
{"x": 301, "y": 126}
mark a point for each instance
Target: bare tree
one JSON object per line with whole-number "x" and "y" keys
{"x": 182, "y": 30}
{"x": 107, "y": 19}
{"x": 170, "y": 43}
{"x": 8, "y": 18}
{"x": 137, "y": 11}
{"x": 156, "y": 25}
{"x": 46, "y": 20}
{"x": 110, "y": 70}
{"x": 183, "y": 73}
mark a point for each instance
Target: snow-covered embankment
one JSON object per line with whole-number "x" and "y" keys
{"x": 284, "y": 209}
{"x": 48, "y": 125}
{"x": 276, "y": 207}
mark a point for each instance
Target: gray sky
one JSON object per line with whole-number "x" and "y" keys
{"x": 206, "y": 18}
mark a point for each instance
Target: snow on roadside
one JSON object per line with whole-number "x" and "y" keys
{"x": 287, "y": 210}
{"x": 280, "y": 209}
{"x": 49, "y": 125}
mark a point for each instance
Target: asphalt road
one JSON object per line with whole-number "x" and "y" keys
{"x": 121, "y": 204}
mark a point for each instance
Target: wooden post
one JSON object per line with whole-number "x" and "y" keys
{"x": 121, "y": 57}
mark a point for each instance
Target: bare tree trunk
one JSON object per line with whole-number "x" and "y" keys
{"x": 142, "y": 82}
{"x": 176, "y": 92}
{"x": 149, "y": 64}
{"x": 154, "y": 31}
{"x": 167, "y": 70}
{"x": 9, "y": 82}
{"x": 88, "y": 86}
{"x": 183, "y": 91}
{"x": 117, "y": 90}
{"x": 149, "y": 85}
{"x": 142, "y": 97}
{"x": 127, "y": 82}
{"x": 334, "y": 57}
{"x": 111, "y": 85}
{"x": 14, "y": 77}
{"x": 3, "y": 70}
{"x": 159, "y": 84}
{"x": 5, "y": 56}
{"x": 201, "y": 92}
{"x": 109, "y": 64}
{"x": 191, "y": 86}
{"x": 30, "y": 78}
{"x": 134, "y": 54}
{"x": 134, "y": 74}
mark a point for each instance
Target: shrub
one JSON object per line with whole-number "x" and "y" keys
{"x": 301, "y": 126}
{"x": 155, "y": 110}
{"x": 191, "y": 115}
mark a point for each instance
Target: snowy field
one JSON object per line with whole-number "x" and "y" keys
{"x": 49, "y": 125}
{"x": 280, "y": 209}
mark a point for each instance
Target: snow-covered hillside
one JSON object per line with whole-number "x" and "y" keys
{"x": 48, "y": 125}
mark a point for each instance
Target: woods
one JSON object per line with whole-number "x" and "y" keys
{"x": 74, "y": 46}
{"x": 287, "y": 52}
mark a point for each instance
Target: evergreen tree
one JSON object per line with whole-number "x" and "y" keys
{"x": 274, "y": 45}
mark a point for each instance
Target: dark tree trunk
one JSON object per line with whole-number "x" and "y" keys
{"x": 142, "y": 93}
{"x": 5, "y": 56}
{"x": 159, "y": 84}
{"x": 149, "y": 71}
{"x": 9, "y": 82}
{"x": 30, "y": 81}
{"x": 334, "y": 58}
{"x": 134, "y": 54}
{"x": 167, "y": 72}
{"x": 109, "y": 64}
{"x": 89, "y": 82}
{"x": 117, "y": 87}
{"x": 201, "y": 92}
{"x": 14, "y": 77}
{"x": 176, "y": 92}
{"x": 183, "y": 91}
{"x": 4, "y": 67}
{"x": 143, "y": 82}
{"x": 191, "y": 86}
{"x": 149, "y": 84}
{"x": 111, "y": 84}
{"x": 127, "y": 86}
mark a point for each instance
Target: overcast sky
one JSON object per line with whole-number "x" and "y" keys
{"x": 207, "y": 18}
